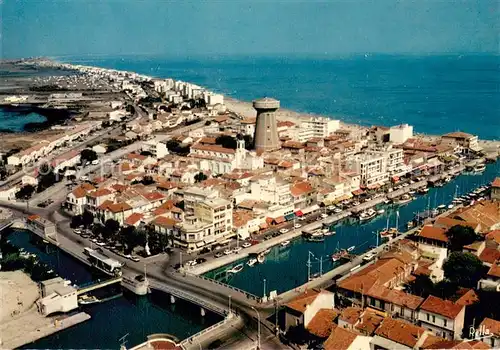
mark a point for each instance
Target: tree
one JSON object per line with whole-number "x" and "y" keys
{"x": 76, "y": 221}
{"x": 248, "y": 142}
{"x": 226, "y": 141}
{"x": 132, "y": 238}
{"x": 147, "y": 180}
{"x": 200, "y": 177}
{"x": 25, "y": 192}
{"x": 421, "y": 286}
{"x": 99, "y": 230}
{"x": 111, "y": 226}
{"x": 87, "y": 218}
{"x": 146, "y": 153}
{"x": 46, "y": 177}
{"x": 87, "y": 155}
{"x": 459, "y": 236}
{"x": 464, "y": 269}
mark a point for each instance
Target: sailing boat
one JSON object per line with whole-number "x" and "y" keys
{"x": 390, "y": 232}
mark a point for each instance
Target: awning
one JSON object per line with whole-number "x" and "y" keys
{"x": 299, "y": 213}
{"x": 327, "y": 202}
{"x": 208, "y": 241}
{"x": 263, "y": 226}
{"x": 200, "y": 244}
{"x": 374, "y": 186}
{"x": 289, "y": 217}
{"x": 279, "y": 219}
{"x": 358, "y": 192}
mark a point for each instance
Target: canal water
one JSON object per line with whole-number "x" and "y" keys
{"x": 286, "y": 268}
{"x": 137, "y": 316}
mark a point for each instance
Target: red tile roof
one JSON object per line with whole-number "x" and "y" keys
{"x": 396, "y": 297}
{"x": 301, "y": 188}
{"x": 400, "y": 332}
{"x": 489, "y": 255}
{"x": 467, "y": 296}
{"x": 494, "y": 270}
{"x": 494, "y": 236}
{"x": 459, "y": 344}
{"x": 322, "y": 323}
{"x": 100, "y": 193}
{"x": 165, "y": 222}
{"x": 493, "y": 326}
{"x": 351, "y": 314}
{"x": 441, "y": 307}
{"x": 339, "y": 339}
{"x": 496, "y": 183}
{"x": 134, "y": 218}
{"x": 369, "y": 323}
{"x": 434, "y": 233}
{"x": 300, "y": 302}
{"x": 118, "y": 207}
{"x": 213, "y": 148}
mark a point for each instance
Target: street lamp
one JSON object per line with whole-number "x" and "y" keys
{"x": 229, "y": 304}
{"x": 264, "y": 287}
{"x": 258, "y": 327}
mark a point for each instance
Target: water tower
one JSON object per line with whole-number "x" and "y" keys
{"x": 266, "y": 133}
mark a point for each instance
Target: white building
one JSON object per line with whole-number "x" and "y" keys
{"x": 211, "y": 223}
{"x": 370, "y": 167}
{"x": 221, "y": 160}
{"x": 321, "y": 126}
{"x": 302, "y": 309}
{"x": 269, "y": 189}
{"x": 400, "y": 133}
{"x": 57, "y": 296}
{"x": 442, "y": 317}
{"x": 195, "y": 195}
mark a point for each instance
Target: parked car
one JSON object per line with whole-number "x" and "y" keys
{"x": 246, "y": 245}
{"x": 284, "y": 230}
{"x": 297, "y": 226}
{"x": 191, "y": 263}
{"x": 201, "y": 260}
{"x": 135, "y": 258}
{"x": 227, "y": 252}
{"x": 218, "y": 254}
{"x": 324, "y": 216}
{"x": 237, "y": 249}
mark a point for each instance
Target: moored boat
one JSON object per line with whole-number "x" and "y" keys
{"x": 367, "y": 215}
{"x": 236, "y": 269}
{"x": 351, "y": 248}
{"x": 285, "y": 243}
{"x": 252, "y": 262}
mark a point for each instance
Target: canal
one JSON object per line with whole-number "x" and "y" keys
{"x": 137, "y": 316}
{"x": 286, "y": 268}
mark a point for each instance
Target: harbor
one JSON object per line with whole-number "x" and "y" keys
{"x": 286, "y": 268}
{"x": 125, "y": 315}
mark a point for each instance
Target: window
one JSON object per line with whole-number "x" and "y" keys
{"x": 428, "y": 317}
{"x": 445, "y": 322}
{"x": 433, "y": 319}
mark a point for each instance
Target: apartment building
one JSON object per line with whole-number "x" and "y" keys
{"x": 400, "y": 133}
{"x": 195, "y": 195}
{"x": 272, "y": 190}
{"x": 211, "y": 223}
{"x": 466, "y": 141}
{"x": 321, "y": 126}
{"x": 442, "y": 317}
{"x": 372, "y": 168}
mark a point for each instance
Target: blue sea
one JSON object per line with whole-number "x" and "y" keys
{"x": 436, "y": 94}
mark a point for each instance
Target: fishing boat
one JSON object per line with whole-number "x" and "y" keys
{"x": 339, "y": 255}
{"x": 479, "y": 168}
{"x": 380, "y": 211}
{"x": 316, "y": 236}
{"x": 441, "y": 207}
{"x": 285, "y": 243}
{"x": 406, "y": 198}
{"x": 260, "y": 258}
{"x": 329, "y": 233}
{"x": 314, "y": 276}
{"x": 252, "y": 262}
{"x": 236, "y": 269}
{"x": 367, "y": 215}
{"x": 88, "y": 299}
{"x": 351, "y": 248}
{"x": 387, "y": 201}
{"x": 423, "y": 190}
{"x": 389, "y": 233}
{"x": 450, "y": 206}
{"x": 412, "y": 192}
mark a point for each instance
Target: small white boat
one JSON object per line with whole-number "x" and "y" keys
{"x": 88, "y": 299}
{"x": 404, "y": 199}
{"x": 451, "y": 206}
{"x": 252, "y": 262}
{"x": 479, "y": 168}
{"x": 236, "y": 269}
{"x": 285, "y": 243}
{"x": 261, "y": 258}
{"x": 329, "y": 233}
{"x": 367, "y": 215}
{"x": 423, "y": 190}
{"x": 351, "y": 248}
{"x": 441, "y": 207}
{"x": 380, "y": 211}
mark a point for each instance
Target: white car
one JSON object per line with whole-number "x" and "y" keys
{"x": 227, "y": 252}
{"x": 135, "y": 258}
{"x": 100, "y": 244}
{"x": 246, "y": 245}
{"x": 236, "y": 250}
{"x": 191, "y": 263}
{"x": 84, "y": 178}
{"x": 297, "y": 226}
{"x": 324, "y": 216}
{"x": 284, "y": 230}
{"x": 95, "y": 162}
{"x": 77, "y": 231}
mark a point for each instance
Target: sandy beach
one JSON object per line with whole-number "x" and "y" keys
{"x": 18, "y": 294}
{"x": 246, "y": 109}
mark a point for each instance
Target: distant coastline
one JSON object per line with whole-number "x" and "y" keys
{"x": 434, "y": 93}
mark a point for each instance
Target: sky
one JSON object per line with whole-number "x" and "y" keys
{"x": 246, "y": 27}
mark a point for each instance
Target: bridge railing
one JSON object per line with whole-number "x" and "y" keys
{"x": 247, "y": 294}
{"x": 190, "y": 339}
{"x": 188, "y": 297}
